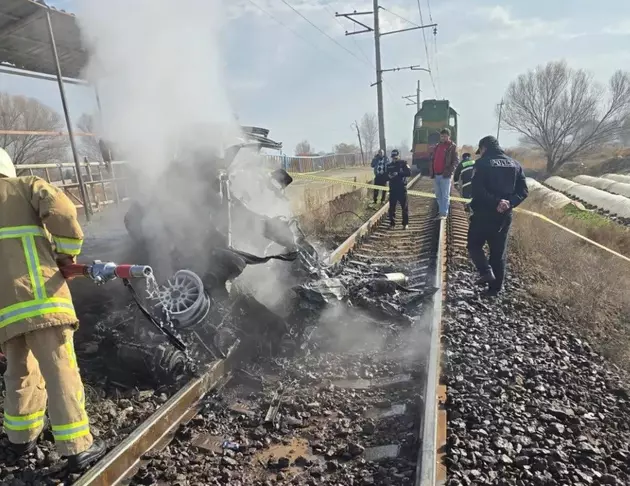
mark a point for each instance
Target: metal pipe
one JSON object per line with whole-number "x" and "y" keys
{"x": 62, "y": 92}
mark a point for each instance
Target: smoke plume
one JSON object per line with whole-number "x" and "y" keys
{"x": 159, "y": 69}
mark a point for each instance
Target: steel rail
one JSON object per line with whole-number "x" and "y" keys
{"x": 122, "y": 461}
{"x": 364, "y": 230}
{"x": 427, "y": 463}
{"x": 432, "y": 431}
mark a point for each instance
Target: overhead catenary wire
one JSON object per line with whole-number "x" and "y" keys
{"x": 437, "y": 66}
{"x": 367, "y": 58}
{"x": 426, "y": 49}
{"x": 387, "y": 86}
{"x": 297, "y": 34}
{"x": 322, "y": 32}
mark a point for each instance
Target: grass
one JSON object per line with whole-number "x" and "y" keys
{"x": 333, "y": 222}
{"x": 586, "y": 284}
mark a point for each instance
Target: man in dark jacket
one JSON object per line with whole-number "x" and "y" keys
{"x": 443, "y": 163}
{"x": 379, "y": 164}
{"x": 463, "y": 174}
{"x": 397, "y": 172}
{"x": 498, "y": 186}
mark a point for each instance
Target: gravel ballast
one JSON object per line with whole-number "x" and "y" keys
{"x": 529, "y": 402}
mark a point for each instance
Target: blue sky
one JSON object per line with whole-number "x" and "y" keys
{"x": 307, "y": 87}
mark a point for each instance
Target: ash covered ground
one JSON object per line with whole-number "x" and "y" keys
{"x": 529, "y": 401}
{"x": 333, "y": 413}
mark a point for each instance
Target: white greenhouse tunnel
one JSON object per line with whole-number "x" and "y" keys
{"x": 608, "y": 185}
{"x": 548, "y": 197}
{"x": 618, "y": 177}
{"x": 612, "y": 203}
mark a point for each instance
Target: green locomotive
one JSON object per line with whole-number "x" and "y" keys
{"x": 432, "y": 117}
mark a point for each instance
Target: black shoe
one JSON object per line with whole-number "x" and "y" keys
{"x": 23, "y": 449}
{"x": 485, "y": 279}
{"x": 80, "y": 461}
{"x": 491, "y": 293}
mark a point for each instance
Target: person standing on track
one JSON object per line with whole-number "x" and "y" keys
{"x": 39, "y": 232}
{"x": 498, "y": 186}
{"x": 379, "y": 164}
{"x": 443, "y": 163}
{"x": 397, "y": 172}
{"x": 463, "y": 178}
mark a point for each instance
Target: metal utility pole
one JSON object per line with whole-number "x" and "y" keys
{"x": 377, "y": 54}
{"x": 84, "y": 197}
{"x": 417, "y": 96}
{"x": 356, "y": 125}
{"x": 499, "y": 124}
{"x": 379, "y": 80}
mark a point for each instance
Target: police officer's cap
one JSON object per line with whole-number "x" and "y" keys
{"x": 466, "y": 155}
{"x": 395, "y": 153}
{"x": 488, "y": 142}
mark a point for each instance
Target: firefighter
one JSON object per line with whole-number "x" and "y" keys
{"x": 498, "y": 186}
{"x": 39, "y": 232}
{"x": 463, "y": 175}
{"x": 397, "y": 172}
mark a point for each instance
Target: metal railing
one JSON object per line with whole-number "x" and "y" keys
{"x": 108, "y": 183}
{"x": 104, "y": 183}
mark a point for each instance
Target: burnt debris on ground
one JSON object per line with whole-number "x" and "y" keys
{"x": 529, "y": 402}
{"x": 340, "y": 404}
{"x": 130, "y": 370}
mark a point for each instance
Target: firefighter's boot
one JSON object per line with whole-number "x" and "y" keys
{"x": 80, "y": 461}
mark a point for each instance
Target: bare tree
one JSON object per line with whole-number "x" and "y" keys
{"x": 89, "y": 146}
{"x": 346, "y": 148}
{"x": 29, "y": 115}
{"x": 369, "y": 133}
{"x": 303, "y": 148}
{"x": 564, "y": 113}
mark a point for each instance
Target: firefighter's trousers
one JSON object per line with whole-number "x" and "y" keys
{"x": 42, "y": 366}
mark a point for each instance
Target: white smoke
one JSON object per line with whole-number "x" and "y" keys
{"x": 160, "y": 71}
{"x": 159, "y": 67}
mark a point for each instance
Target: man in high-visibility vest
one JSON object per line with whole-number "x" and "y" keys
{"x": 463, "y": 175}
{"x": 39, "y": 232}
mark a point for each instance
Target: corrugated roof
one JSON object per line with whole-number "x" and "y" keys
{"x": 25, "y": 42}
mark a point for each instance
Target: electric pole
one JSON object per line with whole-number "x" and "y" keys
{"x": 379, "y": 79}
{"x": 356, "y": 125}
{"x": 417, "y": 96}
{"x": 499, "y": 124}
{"x": 377, "y": 54}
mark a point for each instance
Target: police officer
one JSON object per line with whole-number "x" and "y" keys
{"x": 498, "y": 186}
{"x": 463, "y": 175}
{"x": 397, "y": 172}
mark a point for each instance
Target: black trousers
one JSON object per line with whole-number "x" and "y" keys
{"x": 380, "y": 180}
{"x": 494, "y": 230}
{"x": 396, "y": 197}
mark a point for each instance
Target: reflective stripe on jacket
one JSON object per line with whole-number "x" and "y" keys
{"x": 37, "y": 220}
{"x": 466, "y": 172}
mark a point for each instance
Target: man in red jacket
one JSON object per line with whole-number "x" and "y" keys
{"x": 443, "y": 164}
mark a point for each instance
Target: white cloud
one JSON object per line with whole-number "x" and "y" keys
{"x": 620, "y": 28}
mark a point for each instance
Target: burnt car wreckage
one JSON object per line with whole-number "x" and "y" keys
{"x": 197, "y": 313}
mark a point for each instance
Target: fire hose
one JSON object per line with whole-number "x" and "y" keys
{"x": 102, "y": 272}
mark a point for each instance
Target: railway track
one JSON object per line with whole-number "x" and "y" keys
{"x": 360, "y": 408}
{"x": 360, "y": 405}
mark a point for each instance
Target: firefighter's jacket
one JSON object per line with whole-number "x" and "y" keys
{"x": 37, "y": 220}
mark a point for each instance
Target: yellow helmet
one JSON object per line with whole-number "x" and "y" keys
{"x": 7, "y": 169}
